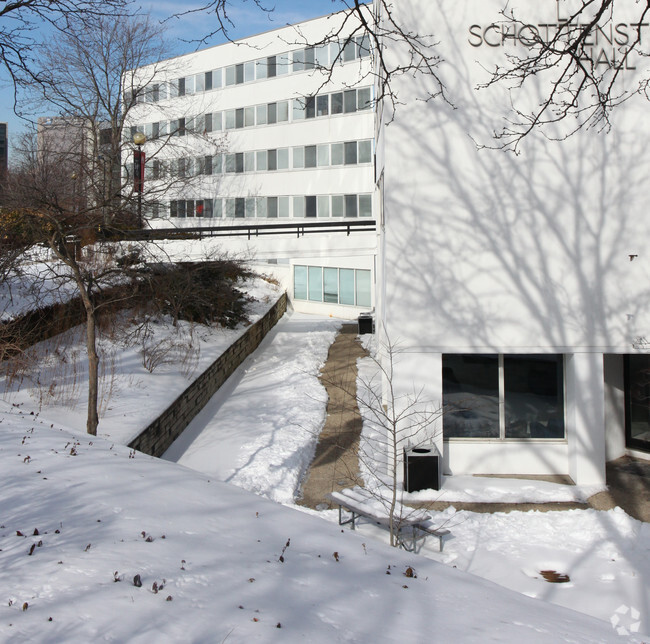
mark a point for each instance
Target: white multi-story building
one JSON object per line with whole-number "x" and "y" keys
{"x": 517, "y": 285}
{"x": 275, "y": 129}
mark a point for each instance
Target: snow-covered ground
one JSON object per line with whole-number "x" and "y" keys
{"x": 105, "y": 514}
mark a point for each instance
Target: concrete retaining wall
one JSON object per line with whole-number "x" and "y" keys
{"x": 163, "y": 431}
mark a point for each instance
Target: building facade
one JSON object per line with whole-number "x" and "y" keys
{"x": 516, "y": 284}
{"x": 278, "y": 128}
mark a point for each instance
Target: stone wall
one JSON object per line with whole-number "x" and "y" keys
{"x": 163, "y": 431}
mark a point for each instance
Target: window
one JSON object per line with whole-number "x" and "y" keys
{"x": 503, "y": 396}
{"x": 349, "y": 51}
{"x": 362, "y": 290}
{"x": 207, "y": 165}
{"x": 283, "y": 206}
{"x": 283, "y": 111}
{"x": 637, "y": 395}
{"x": 207, "y": 81}
{"x": 155, "y": 93}
{"x": 230, "y": 120}
{"x": 310, "y": 107}
{"x": 337, "y": 153}
{"x": 346, "y": 286}
{"x": 363, "y": 46}
{"x": 323, "y": 206}
{"x": 271, "y": 67}
{"x": 272, "y": 113}
{"x": 365, "y": 205}
{"x": 336, "y": 103}
{"x": 272, "y": 207}
{"x": 298, "y": 109}
{"x": 315, "y": 284}
{"x": 261, "y": 161}
{"x": 333, "y": 285}
{"x": 261, "y": 68}
{"x": 249, "y": 72}
{"x": 240, "y": 206}
{"x": 322, "y": 105}
{"x": 337, "y": 206}
{"x": 230, "y": 75}
{"x": 216, "y": 78}
{"x": 239, "y": 74}
{"x": 249, "y": 117}
{"x": 350, "y": 101}
{"x": 217, "y": 164}
{"x": 310, "y": 156}
{"x": 323, "y": 155}
{"x": 239, "y": 118}
{"x": 189, "y": 85}
{"x": 300, "y": 282}
{"x": 261, "y": 114}
{"x": 298, "y": 158}
{"x": 350, "y": 153}
{"x": 310, "y": 206}
{"x": 298, "y": 206}
{"x": 260, "y": 207}
{"x": 322, "y": 56}
{"x": 309, "y": 58}
{"x": 271, "y": 160}
{"x": 199, "y": 83}
{"x": 217, "y": 208}
{"x": 282, "y": 66}
{"x": 350, "y": 205}
{"x": 250, "y": 207}
{"x": 181, "y": 87}
{"x": 365, "y": 151}
{"x": 364, "y": 99}
{"x": 298, "y": 60}
{"x": 249, "y": 162}
{"x": 283, "y": 158}
{"x": 208, "y": 122}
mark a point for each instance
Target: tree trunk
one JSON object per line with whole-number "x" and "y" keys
{"x": 93, "y": 371}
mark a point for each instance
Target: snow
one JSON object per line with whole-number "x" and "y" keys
{"x": 216, "y": 541}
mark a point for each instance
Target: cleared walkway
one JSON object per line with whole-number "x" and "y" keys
{"x": 335, "y": 465}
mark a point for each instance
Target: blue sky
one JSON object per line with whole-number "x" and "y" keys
{"x": 248, "y": 20}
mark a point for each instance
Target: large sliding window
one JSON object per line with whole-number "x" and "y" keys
{"x": 334, "y": 285}
{"x": 503, "y": 396}
{"x": 637, "y": 402}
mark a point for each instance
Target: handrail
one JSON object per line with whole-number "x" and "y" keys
{"x": 248, "y": 230}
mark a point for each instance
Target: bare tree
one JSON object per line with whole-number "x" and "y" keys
{"x": 22, "y": 22}
{"x": 374, "y": 27}
{"x": 582, "y": 81}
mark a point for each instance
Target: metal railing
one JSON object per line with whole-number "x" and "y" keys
{"x": 250, "y": 231}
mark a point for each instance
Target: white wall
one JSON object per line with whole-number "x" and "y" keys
{"x": 486, "y": 251}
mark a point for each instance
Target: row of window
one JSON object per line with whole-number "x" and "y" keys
{"x": 333, "y": 285}
{"x": 503, "y": 396}
{"x": 270, "y": 207}
{"x": 345, "y": 102}
{"x": 308, "y": 156}
{"x": 267, "y": 67}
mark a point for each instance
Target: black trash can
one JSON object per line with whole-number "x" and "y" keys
{"x": 365, "y": 323}
{"x": 422, "y": 468}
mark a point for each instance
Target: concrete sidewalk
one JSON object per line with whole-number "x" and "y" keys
{"x": 335, "y": 465}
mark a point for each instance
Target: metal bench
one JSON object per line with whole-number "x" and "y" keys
{"x": 361, "y": 503}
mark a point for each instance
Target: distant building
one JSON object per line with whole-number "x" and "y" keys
{"x": 260, "y": 132}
